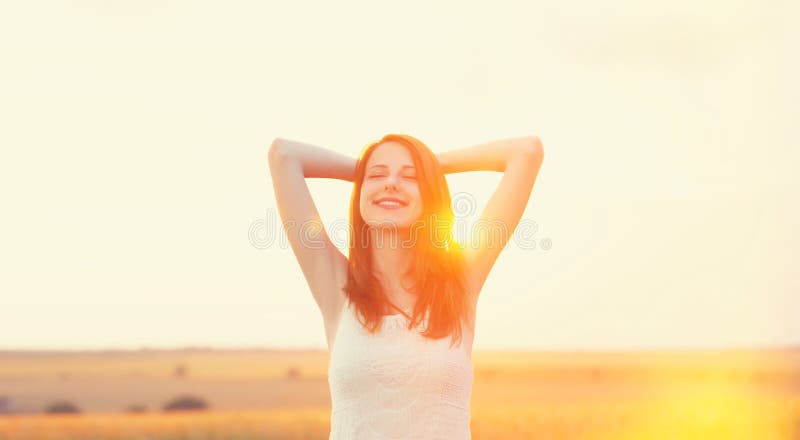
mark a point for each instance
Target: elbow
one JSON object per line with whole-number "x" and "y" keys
{"x": 277, "y": 151}
{"x": 533, "y": 148}
{"x": 281, "y": 155}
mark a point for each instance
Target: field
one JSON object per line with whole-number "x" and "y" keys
{"x": 270, "y": 394}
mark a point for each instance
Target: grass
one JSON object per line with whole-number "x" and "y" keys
{"x": 704, "y": 417}
{"x": 554, "y": 396}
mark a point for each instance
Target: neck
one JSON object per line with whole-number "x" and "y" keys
{"x": 391, "y": 262}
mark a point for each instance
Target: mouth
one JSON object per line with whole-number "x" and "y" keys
{"x": 389, "y": 203}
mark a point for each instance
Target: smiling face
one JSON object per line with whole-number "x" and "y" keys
{"x": 390, "y": 193}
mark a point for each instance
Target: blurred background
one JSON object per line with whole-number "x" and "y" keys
{"x": 140, "y": 242}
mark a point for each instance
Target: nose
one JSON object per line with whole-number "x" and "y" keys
{"x": 391, "y": 182}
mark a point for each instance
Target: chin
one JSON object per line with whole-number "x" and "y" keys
{"x": 388, "y": 221}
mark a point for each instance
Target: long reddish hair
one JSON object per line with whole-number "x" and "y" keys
{"x": 437, "y": 264}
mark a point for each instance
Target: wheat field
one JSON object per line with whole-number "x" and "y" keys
{"x": 283, "y": 395}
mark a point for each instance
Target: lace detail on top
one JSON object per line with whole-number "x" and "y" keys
{"x": 397, "y": 384}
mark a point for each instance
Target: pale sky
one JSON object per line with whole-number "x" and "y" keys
{"x": 134, "y": 163}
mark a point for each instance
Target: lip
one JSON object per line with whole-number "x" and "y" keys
{"x": 401, "y": 203}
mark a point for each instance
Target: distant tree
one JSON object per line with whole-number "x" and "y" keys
{"x": 62, "y": 407}
{"x": 180, "y": 372}
{"x": 186, "y": 403}
{"x": 5, "y": 405}
{"x": 293, "y": 373}
{"x": 136, "y": 408}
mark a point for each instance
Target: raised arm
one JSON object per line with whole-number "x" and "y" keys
{"x": 323, "y": 265}
{"x": 519, "y": 159}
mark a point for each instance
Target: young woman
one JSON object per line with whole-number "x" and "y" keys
{"x": 399, "y": 310}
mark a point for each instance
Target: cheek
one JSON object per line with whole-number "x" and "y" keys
{"x": 367, "y": 208}
{"x": 416, "y": 195}
{"x": 366, "y": 196}
{"x": 364, "y": 204}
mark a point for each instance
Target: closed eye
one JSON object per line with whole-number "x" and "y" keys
{"x": 384, "y": 175}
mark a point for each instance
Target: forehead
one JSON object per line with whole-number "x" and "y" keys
{"x": 393, "y": 154}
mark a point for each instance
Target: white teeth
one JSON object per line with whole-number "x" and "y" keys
{"x": 388, "y": 203}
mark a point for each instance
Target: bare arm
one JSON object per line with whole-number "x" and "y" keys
{"x": 519, "y": 159}
{"x": 323, "y": 265}
{"x": 315, "y": 161}
{"x": 489, "y": 156}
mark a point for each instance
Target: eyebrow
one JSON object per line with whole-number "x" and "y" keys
{"x": 387, "y": 166}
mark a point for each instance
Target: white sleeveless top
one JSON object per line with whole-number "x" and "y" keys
{"x": 397, "y": 384}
